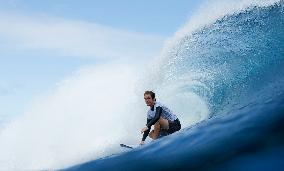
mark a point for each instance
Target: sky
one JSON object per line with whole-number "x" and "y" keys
{"x": 44, "y": 42}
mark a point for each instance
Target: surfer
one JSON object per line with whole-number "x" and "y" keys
{"x": 164, "y": 120}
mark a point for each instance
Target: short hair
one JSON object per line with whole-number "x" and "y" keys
{"x": 152, "y": 94}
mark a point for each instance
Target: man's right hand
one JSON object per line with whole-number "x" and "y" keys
{"x": 144, "y": 129}
{"x": 142, "y": 142}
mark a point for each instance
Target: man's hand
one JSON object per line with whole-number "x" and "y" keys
{"x": 142, "y": 142}
{"x": 144, "y": 129}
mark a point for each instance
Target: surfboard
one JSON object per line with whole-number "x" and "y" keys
{"x": 128, "y": 146}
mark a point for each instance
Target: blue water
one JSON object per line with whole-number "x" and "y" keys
{"x": 238, "y": 61}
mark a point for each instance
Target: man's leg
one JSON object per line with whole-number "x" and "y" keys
{"x": 160, "y": 124}
{"x": 155, "y": 133}
{"x": 164, "y": 123}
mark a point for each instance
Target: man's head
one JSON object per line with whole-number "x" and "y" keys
{"x": 149, "y": 97}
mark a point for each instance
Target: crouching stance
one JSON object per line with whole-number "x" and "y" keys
{"x": 164, "y": 120}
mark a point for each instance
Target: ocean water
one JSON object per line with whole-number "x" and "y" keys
{"x": 222, "y": 73}
{"x": 232, "y": 64}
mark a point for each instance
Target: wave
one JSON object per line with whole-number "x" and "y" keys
{"x": 234, "y": 65}
{"x": 227, "y": 61}
{"x": 222, "y": 71}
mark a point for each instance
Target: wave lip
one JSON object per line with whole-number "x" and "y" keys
{"x": 222, "y": 62}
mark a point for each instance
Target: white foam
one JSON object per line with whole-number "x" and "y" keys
{"x": 86, "y": 116}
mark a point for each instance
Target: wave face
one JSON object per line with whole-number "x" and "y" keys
{"x": 236, "y": 65}
{"x": 227, "y": 61}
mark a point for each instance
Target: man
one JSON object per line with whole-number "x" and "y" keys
{"x": 163, "y": 119}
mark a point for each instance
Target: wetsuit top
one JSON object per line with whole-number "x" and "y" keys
{"x": 154, "y": 114}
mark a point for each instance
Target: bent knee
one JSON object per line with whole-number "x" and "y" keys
{"x": 164, "y": 123}
{"x": 151, "y": 134}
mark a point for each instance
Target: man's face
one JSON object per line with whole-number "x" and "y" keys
{"x": 148, "y": 100}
